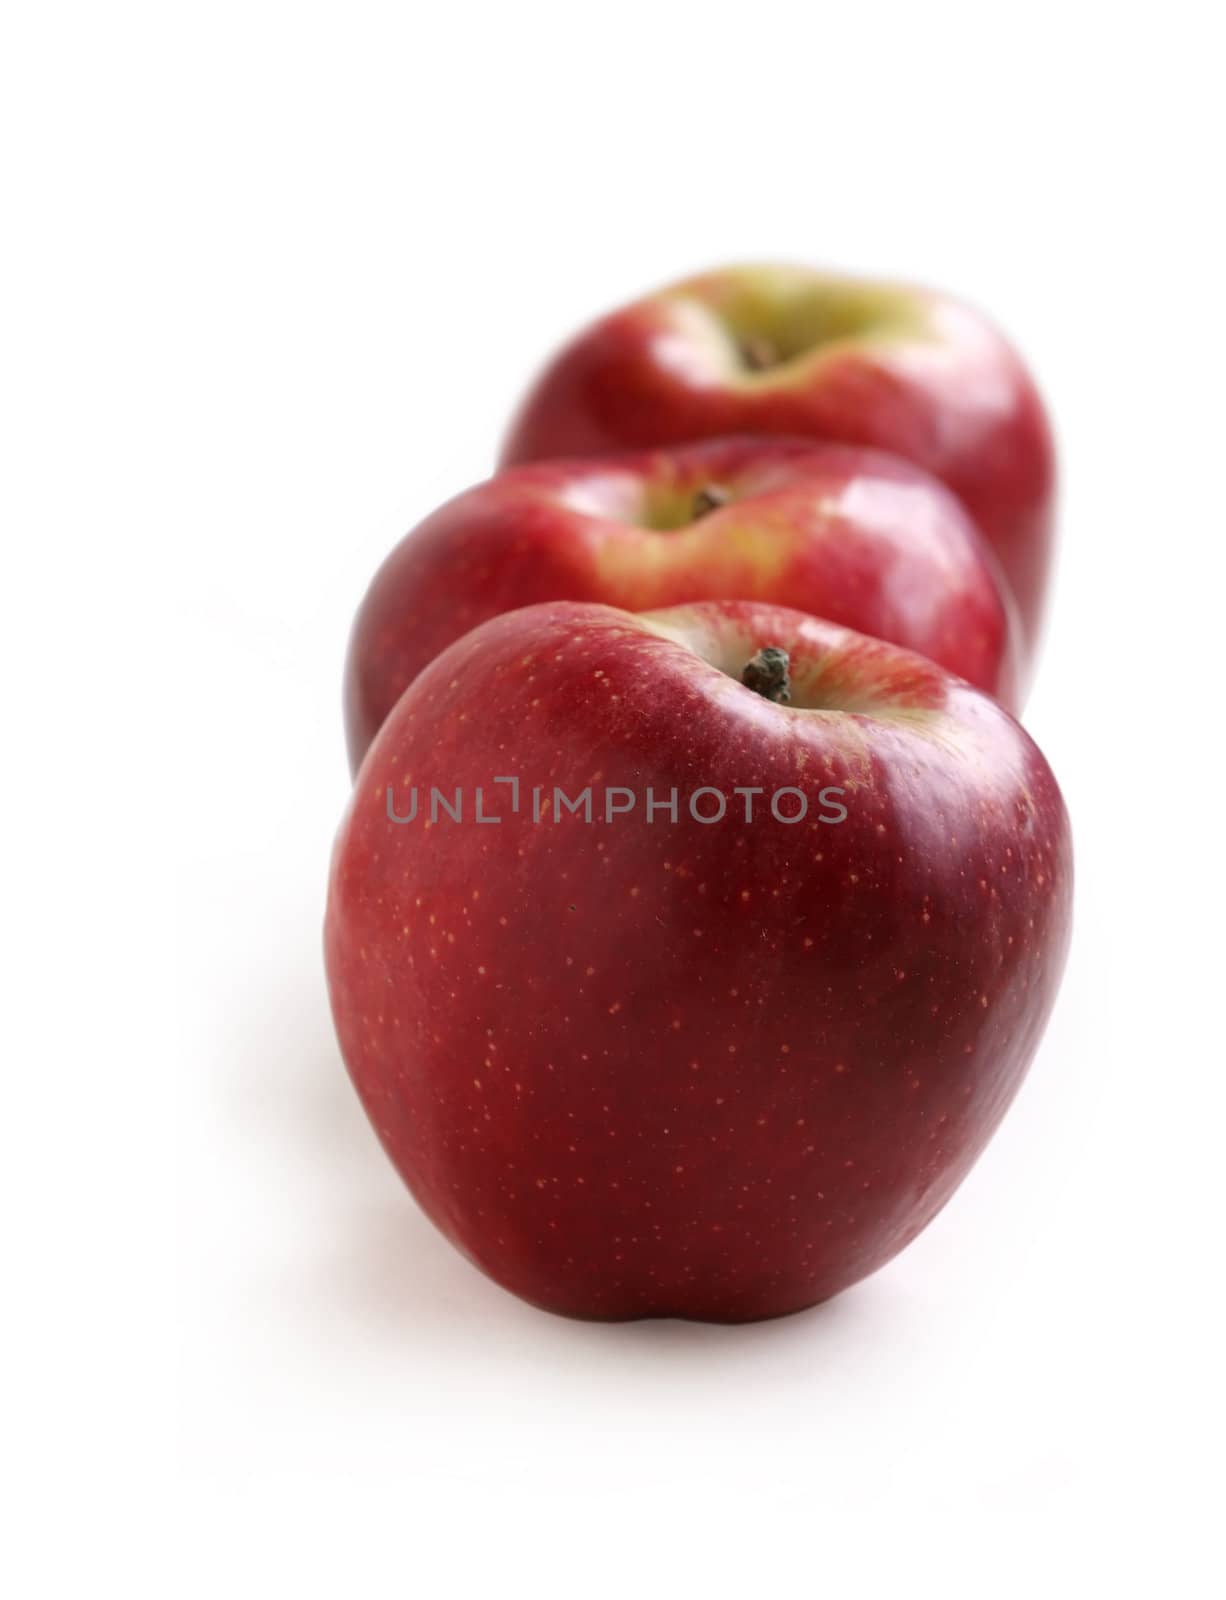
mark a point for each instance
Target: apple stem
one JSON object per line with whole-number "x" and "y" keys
{"x": 767, "y": 674}
{"x": 709, "y": 498}
{"x": 758, "y": 353}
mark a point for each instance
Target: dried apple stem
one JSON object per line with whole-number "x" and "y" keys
{"x": 767, "y": 674}
{"x": 758, "y": 353}
{"x": 709, "y": 498}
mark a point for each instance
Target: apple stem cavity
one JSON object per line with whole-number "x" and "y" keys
{"x": 709, "y": 498}
{"x": 767, "y": 674}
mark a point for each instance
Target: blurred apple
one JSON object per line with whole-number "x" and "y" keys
{"x": 789, "y": 350}
{"x": 860, "y": 538}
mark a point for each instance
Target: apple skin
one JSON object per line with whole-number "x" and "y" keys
{"x": 889, "y": 366}
{"x": 717, "y": 1071}
{"x": 857, "y": 537}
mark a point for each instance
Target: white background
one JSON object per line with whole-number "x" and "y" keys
{"x": 274, "y": 276}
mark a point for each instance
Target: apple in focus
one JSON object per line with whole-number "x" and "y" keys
{"x": 860, "y": 538}
{"x": 790, "y": 350}
{"x": 675, "y": 1044}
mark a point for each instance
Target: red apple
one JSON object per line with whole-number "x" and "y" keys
{"x": 721, "y": 1066}
{"x": 788, "y": 350}
{"x": 860, "y": 538}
